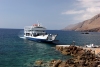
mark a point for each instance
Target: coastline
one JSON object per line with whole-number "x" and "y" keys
{"x": 81, "y": 57}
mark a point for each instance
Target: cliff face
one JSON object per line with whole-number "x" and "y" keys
{"x": 92, "y": 24}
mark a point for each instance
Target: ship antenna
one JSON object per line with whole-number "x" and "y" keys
{"x": 38, "y": 23}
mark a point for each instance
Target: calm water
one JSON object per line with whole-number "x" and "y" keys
{"x": 16, "y": 52}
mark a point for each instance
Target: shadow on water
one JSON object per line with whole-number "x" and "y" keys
{"x": 40, "y": 43}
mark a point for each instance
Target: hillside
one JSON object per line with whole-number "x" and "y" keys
{"x": 92, "y": 25}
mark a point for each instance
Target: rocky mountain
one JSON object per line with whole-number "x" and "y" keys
{"x": 92, "y": 25}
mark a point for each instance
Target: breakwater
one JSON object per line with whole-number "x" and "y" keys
{"x": 80, "y": 58}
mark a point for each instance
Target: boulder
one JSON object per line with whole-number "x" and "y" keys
{"x": 39, "y": 63}
{"x": 56, "y": 63}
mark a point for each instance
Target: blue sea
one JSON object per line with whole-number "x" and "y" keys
{"x": 17, "y": 52}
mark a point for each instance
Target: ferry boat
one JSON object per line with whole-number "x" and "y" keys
{"x": 38, "y": 33}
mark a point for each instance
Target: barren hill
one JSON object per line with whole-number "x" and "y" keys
{"x": 92, "y": 24}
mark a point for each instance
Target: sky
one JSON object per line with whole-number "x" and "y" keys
{"x": 52, "y": 14}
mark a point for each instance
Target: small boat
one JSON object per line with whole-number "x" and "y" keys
{"x": 92, "y": 46}
{"x": 85, "y": 33}
{"x": 38, "y": 33}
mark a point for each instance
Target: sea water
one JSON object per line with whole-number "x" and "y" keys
{"x": 18, "y": 52}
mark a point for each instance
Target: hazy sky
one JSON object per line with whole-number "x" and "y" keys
{"x": 53, "y": 14}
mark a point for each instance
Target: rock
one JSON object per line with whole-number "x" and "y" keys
{"x": 65, "y": 52}
{"x": 63, "y": 64}
{"x": 39, "y": 63}
{"x": 59, "y": 48}
{"x": 52, "y": 62}
{"x": 98, "y": 65}
{"x": 80, "y": 58}
{"x": 56, "y": 63}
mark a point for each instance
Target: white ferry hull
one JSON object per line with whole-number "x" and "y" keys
{"x": 38, "y": 40}
{"x": 42, "y": 38}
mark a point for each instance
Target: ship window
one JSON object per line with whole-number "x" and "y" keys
{"x": 27, "y": 34}
{"x": 39, "y": 27}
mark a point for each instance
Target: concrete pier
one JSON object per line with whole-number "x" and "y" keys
{"x": 97, "y": 50}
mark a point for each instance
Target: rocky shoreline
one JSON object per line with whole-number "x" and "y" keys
{"x": 80, "y": 58}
